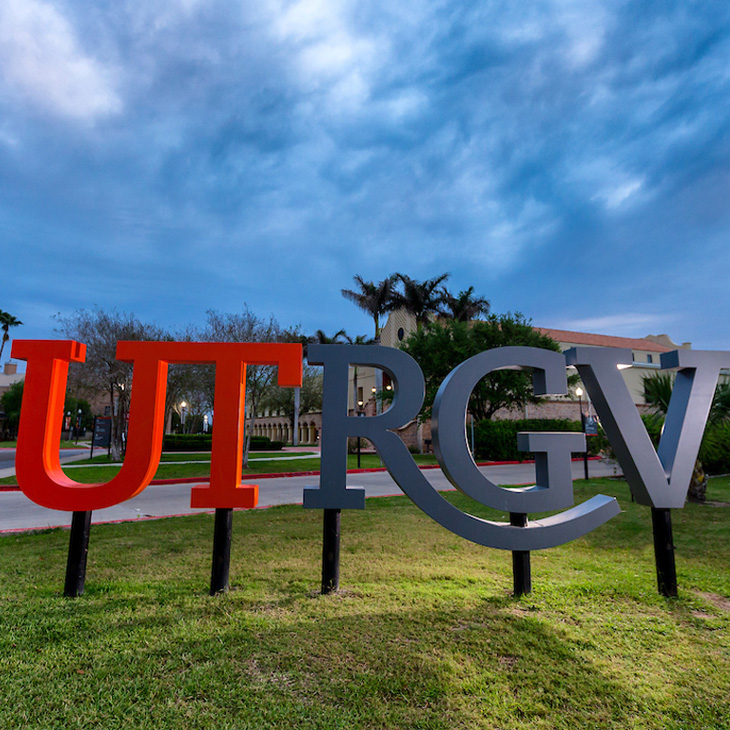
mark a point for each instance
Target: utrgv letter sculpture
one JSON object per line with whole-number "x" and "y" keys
{"x": 658, "y": 479}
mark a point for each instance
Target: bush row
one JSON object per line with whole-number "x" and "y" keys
{"x": 497, "y": 440}
{"x": 204, "y": 442}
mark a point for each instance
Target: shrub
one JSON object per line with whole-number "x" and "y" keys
{"x": 204, "y": 442}
{"x": 264, "y": 443}
{"x": 497, "y": 440}
{"x": 715, "y": 449}
{"x": 187, "y": 442}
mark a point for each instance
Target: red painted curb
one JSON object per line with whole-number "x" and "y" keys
{"x": 286, "y": 474}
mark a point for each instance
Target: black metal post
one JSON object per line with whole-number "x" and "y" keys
{"x": 331, "y": 551}
{"x": 666, "y": 571}
{"x": 221, "y": 550}
{"x": 521, "y": 574}
{"x": 585, "y": 463}
{"x": 78, "y": 549}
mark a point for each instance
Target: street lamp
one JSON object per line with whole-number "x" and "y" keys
{"x": 360, "y": 413}
{"x": 579, "y": 393}
{"x": 78, "y": 426}
{"x": 183, "y": 406}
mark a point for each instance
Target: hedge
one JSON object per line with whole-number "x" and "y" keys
{"x": 204, "y": 442}
{"x": 497, "y": 440}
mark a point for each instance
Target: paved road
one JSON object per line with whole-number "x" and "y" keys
{"x": 7, "y": 459}
{"x": 17, "y": 512}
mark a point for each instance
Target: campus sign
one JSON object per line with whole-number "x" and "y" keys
{"x": 659, "y": 479}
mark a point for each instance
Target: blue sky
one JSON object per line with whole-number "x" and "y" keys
{"x": 568, "y": 159}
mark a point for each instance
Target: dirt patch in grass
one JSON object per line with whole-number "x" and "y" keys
{"x": 717, "y": 601}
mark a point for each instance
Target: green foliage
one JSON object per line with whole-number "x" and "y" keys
{"x": 73, "y": 405}
{"x": 439, "y": 348}
{"x": 421, "y": 298}
{"x": 187, "y": 442}
{"x": 497, "y": 440}
{"x": 7, "y": 321}
{"x": 714, "y": 453}
{"x": 658, "y": 390}
{"x": 204, "y": 442}
{"x": 11, "y": 402}
{"x": 283, "y": 400}
{"x": 715, "y": 449}
{"x": 376, "y": 299}
{"x": 465, "y": 306}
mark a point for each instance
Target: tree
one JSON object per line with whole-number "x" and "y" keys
{"x": 421, "y": 298}
{"x": 440, "y": 348}
{"x": 260, "y": 379}
{"x": 6, "y": 322}
{"x": 321, "y": 338}
{"x": 375, "y": 299}
{"x": 102, "y": 373}
{"x": 464, "y": 306}
{"x": 11, "y": 401}
{"x": 284, "y": 401}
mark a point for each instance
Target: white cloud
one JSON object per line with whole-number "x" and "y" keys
{"x": 41, "y": 59}
{"x": 615, "y": 195}
{"x": 629, "y": 324}
{"x": 331, "y": 54}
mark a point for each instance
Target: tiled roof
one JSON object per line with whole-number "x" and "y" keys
{"x": 585, "y": 338}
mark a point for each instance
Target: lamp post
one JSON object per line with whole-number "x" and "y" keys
{"x": 359, "y": 414}
{"x": 579, "y": 393}
{"x": 183, "y": 406}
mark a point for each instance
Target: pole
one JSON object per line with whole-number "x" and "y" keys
{"x": 78, "y": 549}
{"x": 666, "y": 571}
{"x": 221, "y": 550}
{"x": 521, "y": 573}
{"x": 331, "y": 550}
{"x": 585, "y": 453}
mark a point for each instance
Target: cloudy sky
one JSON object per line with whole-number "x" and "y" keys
{"x": 568, "y": 159}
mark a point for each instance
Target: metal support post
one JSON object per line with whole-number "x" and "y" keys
{"x": 78, "y": 549}
{"x": 666, "y": 571}
{"x": 521, "y": 574}
{"x": 331, "y": 551}
{"x": 221, "y": 550}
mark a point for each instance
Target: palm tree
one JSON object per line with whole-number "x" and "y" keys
{"x": 658, "y": 392}
{"x": 321, "y": 338}
{"x": 420, "y": 298}
{"x": 375, "y": 299}
{"x": 6, "y": 322}
{"x": 464, "y": 306}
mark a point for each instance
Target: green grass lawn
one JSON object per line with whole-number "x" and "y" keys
{"x": 261, "y": 463}
{"x": 64, "y": 444}
{"x": 423, "y": 634}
